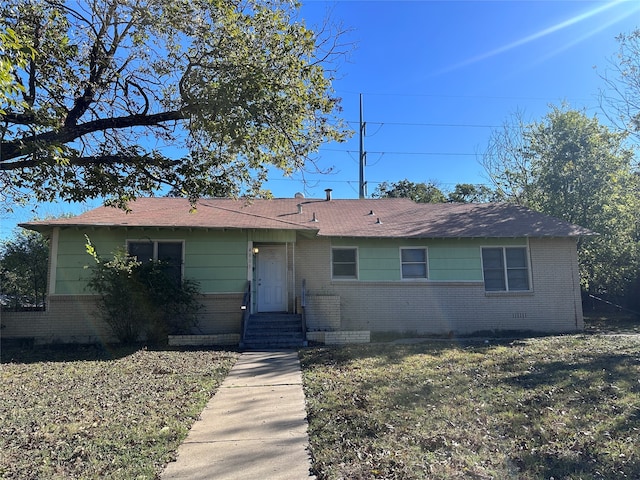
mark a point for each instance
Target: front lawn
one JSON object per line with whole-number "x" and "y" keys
{"x": 83, "y": 412}
{"x": 557, "y": 407}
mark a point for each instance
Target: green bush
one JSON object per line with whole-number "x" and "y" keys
{"x": 142, "y": 300}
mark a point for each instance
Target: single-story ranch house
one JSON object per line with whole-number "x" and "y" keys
{"x": 344, "y": 267}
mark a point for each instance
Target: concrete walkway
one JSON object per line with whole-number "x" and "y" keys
{"x": 254, "y": 427}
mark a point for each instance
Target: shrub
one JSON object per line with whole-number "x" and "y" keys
{"x": 142, "y": 299}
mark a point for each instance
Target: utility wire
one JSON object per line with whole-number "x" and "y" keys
{"x": 449, "y": 154}
{"x": 446, "y": 125}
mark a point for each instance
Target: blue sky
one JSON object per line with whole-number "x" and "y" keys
{"x": 437, "y": 77}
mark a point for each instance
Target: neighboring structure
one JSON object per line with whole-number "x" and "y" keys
{"x": 383, "y": 265}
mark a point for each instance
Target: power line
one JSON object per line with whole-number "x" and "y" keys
{"x": 466, "y": 97}
{"x": 445, "y": 125}
{"x": 448, "y": 154}
{"x": 355, "y": 182}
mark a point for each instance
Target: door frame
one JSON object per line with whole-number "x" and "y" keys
{"x": 282, "y": 249}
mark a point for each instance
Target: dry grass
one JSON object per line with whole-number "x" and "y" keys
{"x": 89, "y": 413}
{"x": 563, "y": 407}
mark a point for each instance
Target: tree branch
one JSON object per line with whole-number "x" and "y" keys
{"x": 94, "y": 160}
{"x": 66, "y": 134}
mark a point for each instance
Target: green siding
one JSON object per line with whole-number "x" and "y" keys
{"x": 279, "y": 236}
{"x": 448, "y": 259}
{"x": 216, "y": 259}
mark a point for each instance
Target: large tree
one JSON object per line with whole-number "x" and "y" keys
{"x": 471, "y": 193}
{"x": 24, "y": 259}
{"x": 123, "y": 97}
{"x": 621, "y": 97}
{"x": 572, "y": 167}
{"x": 420, "y": 192}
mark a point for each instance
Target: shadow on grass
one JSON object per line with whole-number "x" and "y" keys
{"x": 15, "y": 352}
{"x": 612, "y": 323}
{"x": 25, "y": 351}
{"x": 598, "y": 369}
{"x": 392, "y": 353}
{"x": 552, "y": 466}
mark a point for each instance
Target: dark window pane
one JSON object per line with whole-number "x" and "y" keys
{"x": 170, "y": 252}
{"x": 143, "y": 251}
{"x": 344, "y": 263}
{"x": 493, "y": 269}
{"x": 170, "y": 258}
{"x": 414, "y": 270}
{"x": 492, "y": 258}
{"x": 516, "y": 258}
{"x": 344, "y": 270}
{"x": 494, "y": 280}
{"x": 413, "y": 255}
{"x": 341, "y": 255}
{"x": 518, "y": 279}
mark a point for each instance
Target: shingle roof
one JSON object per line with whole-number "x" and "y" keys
{"x": 380, "y": 218}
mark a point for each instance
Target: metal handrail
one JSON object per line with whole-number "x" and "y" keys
{"x": 246, "y": 309}
{"x": 303, "y": 304}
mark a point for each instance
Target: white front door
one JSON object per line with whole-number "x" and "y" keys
{"x": 272, "y": 278}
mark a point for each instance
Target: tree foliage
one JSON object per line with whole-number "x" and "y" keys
{"x": 621, "y": 98}
{"x": 122, "y": 98}
{"x": 418, "y": 192}
{"x": 570, "y": 166}
{"x": 24, "y": 261}
{"x": 142, "y": 300}
{"x": 429, "y": 192}
{"x": 14, "y": 54}
{"x": 470, "y": 193}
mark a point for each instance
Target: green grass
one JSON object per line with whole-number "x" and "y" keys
{"x": 89, "y": 413}
{"x": 563, "y": 407}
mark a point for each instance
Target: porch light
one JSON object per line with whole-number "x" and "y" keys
{"x": 255, "y": 250}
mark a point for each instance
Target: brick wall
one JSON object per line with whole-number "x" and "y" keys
{"x": 204, "y": 340}
{"x": 347, "y": 337}
{"x": 221, "y": 314}
{"x": 554, "y": 304}
{"x": 74, "y": 319}
{"x": 322, "y": 313}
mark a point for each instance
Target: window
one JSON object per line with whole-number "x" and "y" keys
{"x": 168, "y": 253}
{"x": 344, "y": 263}
{"x": 505, "y": 269}
{"x": 414, "y": 263}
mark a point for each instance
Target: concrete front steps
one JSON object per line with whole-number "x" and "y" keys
{"x": 266, "y": 331}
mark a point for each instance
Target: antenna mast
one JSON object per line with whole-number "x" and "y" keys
{"x": 363, "y": 155}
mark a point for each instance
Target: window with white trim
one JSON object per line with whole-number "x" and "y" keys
{"x": 168, "y": 253}
{"x": 344, "y": 263}
{"x": 413, "y": 263}
{"x": 505, "y": 269}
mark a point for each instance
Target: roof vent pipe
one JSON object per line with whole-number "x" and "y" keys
{"x": 314, "y": 219}
{"x": 328, "y": 192}
{"x": 379, "y": 222}
{"x": 299, "y": 208}
{"x": 371, "y": 213}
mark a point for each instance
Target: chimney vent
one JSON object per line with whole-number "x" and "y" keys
{"x": 328, "y": 192}
{"x": 314, "y": 219}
